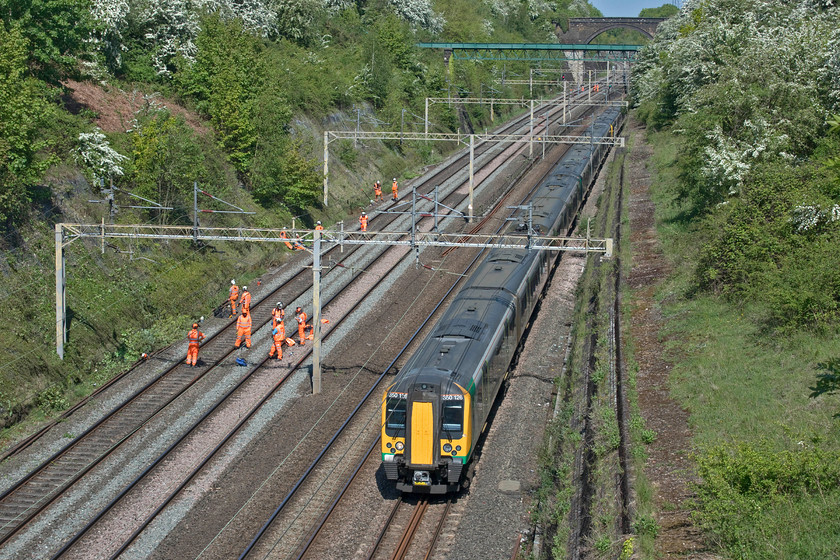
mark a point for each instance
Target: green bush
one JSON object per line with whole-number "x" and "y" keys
{"x": 757, "y": 252}
{"x": 740, "y": 482}
{"x": 52, "y": 399}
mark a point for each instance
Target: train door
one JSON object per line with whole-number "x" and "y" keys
{"x": 422, "y": 451}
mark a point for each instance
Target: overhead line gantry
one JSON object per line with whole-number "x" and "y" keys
{"x": 67, "y": 233}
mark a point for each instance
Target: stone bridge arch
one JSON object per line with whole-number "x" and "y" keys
{"x": 583, "y": 30}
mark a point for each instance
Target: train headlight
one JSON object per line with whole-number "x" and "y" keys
{"x": 400, "y": 446}
{"x": 388, "y": 445}
{"x": 447, "y": 448}
{"x": 457, "y": 448}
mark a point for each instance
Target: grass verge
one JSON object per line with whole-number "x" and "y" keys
{"x": 767, "y": 454}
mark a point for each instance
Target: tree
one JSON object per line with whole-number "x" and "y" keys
{"x": 23, "y": 108}
{"x": 291, "y": 180}
{"x": 225, "y": 80}
{"x": 57, "y": 32}
{"x": 664, "y": 11}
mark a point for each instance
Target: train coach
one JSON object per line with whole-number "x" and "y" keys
{"x": 434, "y": 411}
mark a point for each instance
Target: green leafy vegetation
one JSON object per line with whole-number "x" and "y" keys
{"x": 155, "y": 98}
{"x": 766, "y": 451}
{"x": 748, "y": 208}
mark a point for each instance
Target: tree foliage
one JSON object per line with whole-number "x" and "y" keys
{"x": 166, "y": 158}
{"x": 56, "y": 32}
{"x": 24, "y": 107}
{"x": 224, "y": 80}
{"x": 748, "y": 85}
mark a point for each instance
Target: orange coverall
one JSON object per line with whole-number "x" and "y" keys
{"x": 277, "y": 316}
{"x": 284, "y": 235}
{"x": 243, "y": 329}
{"x": 194, "y": 336}
{"x": 279, "y": 339}
{"x": 377, "y": 191}
{"x": 245, "y": 302}
{"x": 319, "y": 227}
{"x": 234, "y": 294}
{"x": 301, "y": 319}
{"x": 394, "y": 190}
{"x": 363, "y": 222}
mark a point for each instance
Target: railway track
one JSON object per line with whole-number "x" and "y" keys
{"x": 281, "y": 535}
{"x": 32, "y": 494}
{"x": 409, "y": 529}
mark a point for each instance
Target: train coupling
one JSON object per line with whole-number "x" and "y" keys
{"x": 421, "y": 478}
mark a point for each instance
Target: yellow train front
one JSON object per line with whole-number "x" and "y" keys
{"x": 425, "y": 441}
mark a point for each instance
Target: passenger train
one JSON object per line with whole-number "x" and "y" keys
{"x": 434, "y": 411}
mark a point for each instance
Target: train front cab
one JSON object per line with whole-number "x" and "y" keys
{"x": 431, "y": 459}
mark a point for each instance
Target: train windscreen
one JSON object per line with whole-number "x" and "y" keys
{"x": 395, "y": 417}
{"x": 453, "y": 419}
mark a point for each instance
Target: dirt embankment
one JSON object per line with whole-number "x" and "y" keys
{"x": 669, "y": 467}
{"x": 115, "y": 108}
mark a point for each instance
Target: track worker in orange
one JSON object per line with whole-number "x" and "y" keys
{"x": 377, "y": 191}
{"x": 279, "y": 337}
{"x": 245, "y": 302}
{"x": 394, "y": 190}
{"x": 363, "y": 221}
{"x": 300, "y": 315}
{"x": 243, "y": 329}
{"x": 285, "y": 236}
{"x": 234, "y": 294}
{"x": 277, "y": 315}
{"x": 318, "y": 226}
{"x": 194, "y": 337}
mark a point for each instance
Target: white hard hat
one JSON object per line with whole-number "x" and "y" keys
{"x": 279, "y": 304}
{"x": 233, "y": 281}
{"x": 363, "y": 213}
{"x": 319, "y": 223}
{"x": 395, "y": 178}
{"x": 244, "y": 288}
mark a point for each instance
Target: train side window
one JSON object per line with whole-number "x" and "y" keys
{"x": 453, "y": 419}
{"x": 395, "y": 417}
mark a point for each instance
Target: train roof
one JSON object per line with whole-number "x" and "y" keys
{"x": 458, "y": 342}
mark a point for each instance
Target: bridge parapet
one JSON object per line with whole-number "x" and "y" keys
{"x": 583, "y": 30}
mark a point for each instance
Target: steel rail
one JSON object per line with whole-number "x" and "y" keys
{"x": 410, "y": 530}
{"x": 324, "y": 450}
{"x": 145, "y": 473}
{"x": 222, "y": 400}
{"x": 397, "y": 503}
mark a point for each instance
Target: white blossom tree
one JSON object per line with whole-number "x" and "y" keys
{"x": 419, "y": 13}
{"x": 95, "y": 154}
{"x": 750, "y": 80}
{"x": 112, "y": 17}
